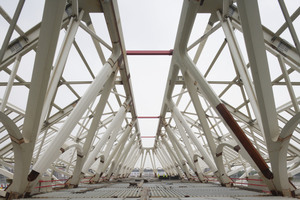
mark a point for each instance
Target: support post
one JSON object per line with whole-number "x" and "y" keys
{"x": 253, "y": 35}
{"x": 220, "y": 173}
{"x": 114, "y": 125}
{"x": 10, "y": 83}
{"x": 50, "y": 28}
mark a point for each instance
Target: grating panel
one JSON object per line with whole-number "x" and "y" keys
{"x": 165, "y": 190}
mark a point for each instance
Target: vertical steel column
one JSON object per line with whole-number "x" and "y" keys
{"x": 142, "y": 161}
{"x": 253, "y": 35}
{"x": 92, "y": 130}
{"x": 168, "y": 157}
{"x": 187, "y": 143}
{"x": 152, "y": 163}
{"x": 109, "y": 154}
{"x": 115, "y": 124}
{"x": 131, "y": 166}
{"x": 124, "y": 155}
{"x": 174, "y": 157}
{"x": 176, "y": 145}
{"x": 183, "y": 135}
{"x": 120, "y": 151}
{"x": 206, "y": 157}
{"x": 221, "y": 173}
{"x": 135, "y": 152}
{"x": 163, "y": 162}
{"x": 49, "y": 32}
{"x": 131, "y": 162}
{"x": 124, "y": 159}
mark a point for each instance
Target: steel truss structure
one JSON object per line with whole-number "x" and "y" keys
{"x": 210, "y": 124}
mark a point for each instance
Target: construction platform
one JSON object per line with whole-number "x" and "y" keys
{"x": 139, "y": 189}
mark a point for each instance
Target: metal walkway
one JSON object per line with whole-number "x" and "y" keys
{"x": 169, "y": 190}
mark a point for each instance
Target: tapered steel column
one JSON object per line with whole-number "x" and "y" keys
{"x": 152, "y": 163}
{"x": 129, "y": 146}
{"x": 163, "y": 162}
{"x": 120, "y": 151}
{"x": 110, "y": 154}
{"x": 254, "y": 40}
{"x": 117, "y": 121}
{"x": 50, "y": 28}
{"x": 187, "y": 143}
{"x": 143, "y": 154}
{"x": 174, "y": 157}
{"x": 130, "y": 163}
{"x": 92, "y": 130}
{"x": 221, "y": 173}
{"x": 176, "y": 144}
{"x": 168, "y": 157}
{"x": 206, "y": 157}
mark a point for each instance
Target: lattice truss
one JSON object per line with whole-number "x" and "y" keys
{"x": 216, "y": 100}
{"x": 227, "y": 108}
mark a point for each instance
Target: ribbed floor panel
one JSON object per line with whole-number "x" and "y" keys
{"x": 169, "y": 190}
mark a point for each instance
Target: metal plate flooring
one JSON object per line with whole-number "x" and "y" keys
{"x": 168, "y": 190}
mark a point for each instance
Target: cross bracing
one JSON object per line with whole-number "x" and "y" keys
{"x": 231, "y": 101}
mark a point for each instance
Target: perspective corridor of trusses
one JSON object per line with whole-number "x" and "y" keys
{"x": 231, "y": 101}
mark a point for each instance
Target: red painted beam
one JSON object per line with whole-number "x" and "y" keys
{"x": 150, "y": 52}
{"x": 147, "y": 136}
{"x": 148, "y": 117}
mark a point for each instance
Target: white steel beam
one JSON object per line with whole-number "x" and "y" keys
{"x": 221, "y": 174}
{"x": 51, "y": 22}
{"x": 11, "y": 28}
{"x": 60, "y": 65}
{"x": 173, "y": 156}
{"x": 10, "y": 83}
{"x": 92, "y": 130}
{"x": 117, "y": 121}
{"x": 254, "y": 40}
{"x": 290, "y": 25}
{"x": 206, "y": 157}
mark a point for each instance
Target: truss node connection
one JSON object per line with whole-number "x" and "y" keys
{"x": 70, "y": 99}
